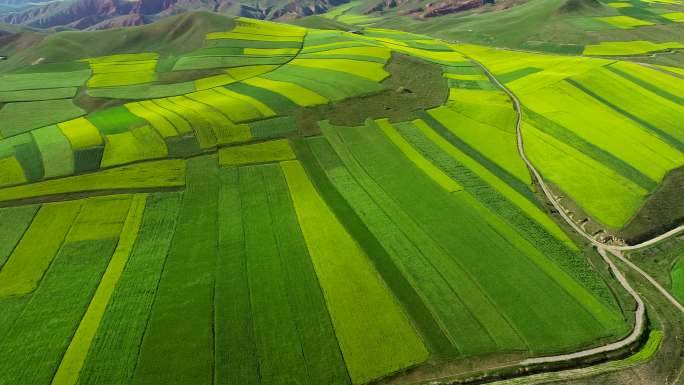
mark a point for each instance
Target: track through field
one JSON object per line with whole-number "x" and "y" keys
{"x": 602, "y": 249}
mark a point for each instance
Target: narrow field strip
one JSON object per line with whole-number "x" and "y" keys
{"x": 61, "y": 299}
{"x": 322, "y": 355}
{"x": 177, "y": 348}
{"x": 213, "y": 81}
{"x": 294, "y": 92}
{"x": 35, "y": 251}
{"x": 624, "y": 22}
{"x": 486, "y": 125}
{"x": 12, "y": 172}
{"x": 158, "y": 121}
{"x": 478, "y": 242}
{"x": 569, "y": 137}
{"x": 14, "y": 221}
{"x": 374, "y": 334}
{"x": 113, "y": 352}
{"x": 435, "y": 118}
{"x": 235, "y": 109}
{"x": 270, "y": 51}
{"x": 187, "y": 63}
{"x": 142, "y": 143}
{"x": 263, "y": 111}
{"x": 658, "y": 83}
{"x": 55, "y": 151}
{"x": 540, "y": 234}
{"x": 252, "y": 36}
{"x": 279, "y": 127}
{"x": 417, "y": 158}
{"x": 166, "y": 109}
{"x": 613, "y": 197}
{"x": 115, "y": 120}
{"x": 142, "y": 91}
{"x": 368, "y": 70}
{"x": 381, "y": 243}
{"x": 193, "y": 113}
{"x": 235, "y": 355}
{"x": 123, "y": 69}
{"x": 74, "y": 357}
{"x": 279, "y": 345}
{"x": 162, "y": 174}
{"x": 626, "y": 48}
{"x": 81, "y": 133}
{"x": 40, "y": 94}
{"x": 243, "y": 24}
{"x": 43, "y": 81}
{"x": 264, "y": 152}
{"x": 272, "y": 100}
{"x": 661, "y": 132}
{"x": 427, "y": 264}
{"x": 333, "y": 85}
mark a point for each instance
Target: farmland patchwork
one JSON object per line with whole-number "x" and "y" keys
{"x": 193, "y": 232}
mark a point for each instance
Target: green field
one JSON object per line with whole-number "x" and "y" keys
{"x": 268, "y": 204}
{"x": 608, "y": 142}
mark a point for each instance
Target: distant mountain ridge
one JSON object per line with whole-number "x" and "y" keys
{"x": 104, "y": 14}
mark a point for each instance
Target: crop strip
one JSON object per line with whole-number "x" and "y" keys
{"x": 162, "y": 174}
{"x": 569, "y": 137}
{"x": 234, "y": 341}
{"x": 55, "y": 151}
{"x": 570, "y": 260}
{"x": 426, "y": 324}
{"x": 465, "y": 311}
{"x": 418, "y": 159}
{"x": 322, "y": 354}
{"x": 474, "y": 243}
{"x": 511, "y": 180}
{"x": 178, "y": 342}
{"x": 34, "y": 253}
{"x": 651, "y": 87}
{"x": 74, "y": 357}
{"x": 114, "y": 349}
{"x": 166, "y": 109}
{"x": 14, "y": 221}
{"x": 383, "y": 340}
{"x": 62, "y": 297}
{"x": 674, "y": 142}
{"x": 159, "y": 122}
{"x": 279, "y": 345}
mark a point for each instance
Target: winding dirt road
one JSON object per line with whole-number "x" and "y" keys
{"x": 602, "y": 249}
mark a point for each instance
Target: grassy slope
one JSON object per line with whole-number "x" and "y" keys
{"x": 171, "y": 36}
{"x": 534, "y": 21}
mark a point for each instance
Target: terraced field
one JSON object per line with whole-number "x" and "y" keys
{"x": 177, "y": 225}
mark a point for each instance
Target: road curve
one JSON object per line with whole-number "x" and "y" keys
{"x": 650, "y": 279}
{"x": 602, "y": 248}
{"x": 631, "y": 338}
